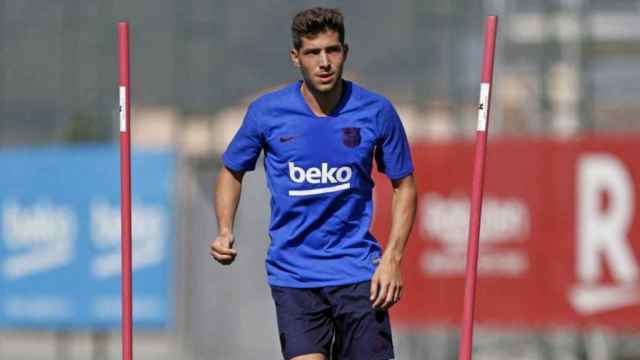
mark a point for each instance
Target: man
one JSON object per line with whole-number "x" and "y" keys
{"x": 330, "y": 283}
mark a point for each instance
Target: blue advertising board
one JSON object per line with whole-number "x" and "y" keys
{"x": 60, "y": 237}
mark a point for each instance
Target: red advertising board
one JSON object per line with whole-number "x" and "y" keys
{"x": 560, "y": 234}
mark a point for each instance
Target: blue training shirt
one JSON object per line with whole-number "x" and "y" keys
{"x": 319, "y": 175}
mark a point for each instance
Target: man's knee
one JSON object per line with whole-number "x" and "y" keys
{"x": 316, "y": 356}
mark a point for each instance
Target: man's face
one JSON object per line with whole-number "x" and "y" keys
{"x": 320, "y": 59}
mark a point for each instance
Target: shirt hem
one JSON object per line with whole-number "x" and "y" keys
{"x": 319, "y": 284}
{"x": 400, "y": 175}
{"x": 234, "y": 166}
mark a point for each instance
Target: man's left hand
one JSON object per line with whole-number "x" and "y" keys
{"x": 386, "y": 284}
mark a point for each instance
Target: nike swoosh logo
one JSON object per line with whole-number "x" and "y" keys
{"x": 589, "y": 299}
{"x": 284, "y": 139}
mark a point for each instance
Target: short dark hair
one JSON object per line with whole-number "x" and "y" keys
{"x": 314, "y": 21}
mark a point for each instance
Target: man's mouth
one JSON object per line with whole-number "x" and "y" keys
{"x": 327, "y": 76}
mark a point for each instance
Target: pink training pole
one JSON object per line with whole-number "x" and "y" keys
{"x": 125, "y": 189}
{"x": 466, "y": 341}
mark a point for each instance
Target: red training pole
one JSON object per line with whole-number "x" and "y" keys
{"x": 466, "y": 340}
{"x": 125, "y": 189}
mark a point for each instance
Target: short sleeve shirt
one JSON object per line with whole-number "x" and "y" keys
{"x": 319, "y": 175}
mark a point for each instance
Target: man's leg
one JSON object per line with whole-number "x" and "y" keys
{"x": 304, "y": 323}
{"x": 362, "y": 333}
{"x": 310, "y": 357}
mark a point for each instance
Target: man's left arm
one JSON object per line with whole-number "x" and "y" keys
{"x": 386, "y": 284}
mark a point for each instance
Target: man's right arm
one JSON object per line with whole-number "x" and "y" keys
{"x": 226, "y": 199}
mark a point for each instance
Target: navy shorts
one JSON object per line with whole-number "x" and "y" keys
{"x": 337, "y": 321}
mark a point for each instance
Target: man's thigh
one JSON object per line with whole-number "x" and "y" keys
{"x": 304, "y": 323}
{"x": 362, "y": 333}
{"x": 310, "y": 357}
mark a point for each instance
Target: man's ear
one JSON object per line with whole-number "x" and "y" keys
{"x": 345, "y": 48}
{"x": 295, "y": 59}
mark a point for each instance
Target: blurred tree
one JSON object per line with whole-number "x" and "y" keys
{"x": 84, "y": 127}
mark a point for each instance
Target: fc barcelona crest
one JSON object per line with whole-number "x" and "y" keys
{"x": 351, "y": 137}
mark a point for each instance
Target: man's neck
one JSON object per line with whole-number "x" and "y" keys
{"x": 322, "y": 104}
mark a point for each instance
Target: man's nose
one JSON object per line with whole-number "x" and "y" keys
{"x": 324, "y": 60}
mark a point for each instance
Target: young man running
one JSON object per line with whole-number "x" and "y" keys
{"x": 330, "y": 281}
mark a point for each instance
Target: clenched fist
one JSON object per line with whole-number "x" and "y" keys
{"x": 222, "y": 249}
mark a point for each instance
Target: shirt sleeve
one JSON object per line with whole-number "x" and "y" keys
{"x": 393, "y": 155}
{"x": 244, "y": 149}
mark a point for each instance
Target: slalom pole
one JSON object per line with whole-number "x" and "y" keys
{"x": 125, "y": 189}
{"x": 466, "y": 333}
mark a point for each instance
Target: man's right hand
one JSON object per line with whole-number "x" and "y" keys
{"x": 222, "y": 249}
